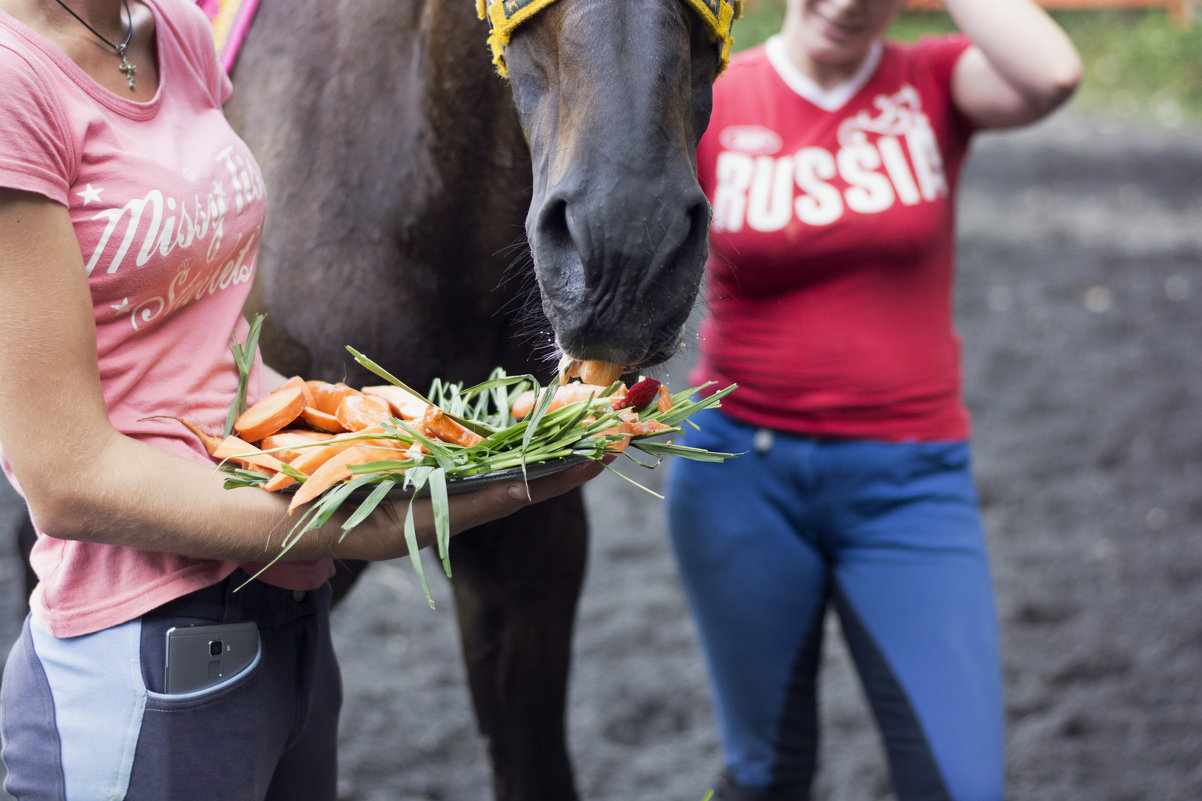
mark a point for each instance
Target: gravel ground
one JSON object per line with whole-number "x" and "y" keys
{"x": 1080, "y": 306}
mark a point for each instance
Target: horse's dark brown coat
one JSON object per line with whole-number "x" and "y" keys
{"x": 399, "y": 183}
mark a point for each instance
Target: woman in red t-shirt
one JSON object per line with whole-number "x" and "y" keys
{"x": 831, "y": 161}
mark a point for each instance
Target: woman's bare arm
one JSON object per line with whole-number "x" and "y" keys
{"x": 1021, "y": 67}
{"x": 84, "y": 480}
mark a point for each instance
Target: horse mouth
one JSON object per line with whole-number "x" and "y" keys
{"x": 631, "y": 362}
{"x": 619, "y": 297}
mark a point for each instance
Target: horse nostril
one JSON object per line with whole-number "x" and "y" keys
{"x": 559, "y": 246}
{"x": 553, "y": 225}
{"x": 683, "y": 244}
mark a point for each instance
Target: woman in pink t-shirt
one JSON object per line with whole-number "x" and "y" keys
{"x": 831, "y": 161}
{"x": 130, "y": 216}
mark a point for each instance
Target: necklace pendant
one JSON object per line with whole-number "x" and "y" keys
{"x": 127, "y": 67}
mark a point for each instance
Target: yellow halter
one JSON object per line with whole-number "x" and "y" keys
{"x": 504, "y": 16}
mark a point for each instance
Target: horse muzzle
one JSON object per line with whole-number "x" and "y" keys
{"x": 620, "y": 269}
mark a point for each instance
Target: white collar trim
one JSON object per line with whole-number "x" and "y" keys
{"x": 802, "y": 84}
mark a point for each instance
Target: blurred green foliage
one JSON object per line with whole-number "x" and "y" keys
{"x": 1137, "y": 63}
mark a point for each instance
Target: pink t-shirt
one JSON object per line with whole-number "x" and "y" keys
{"x": 831, "y": 248}
{"x": 168, "y": 206}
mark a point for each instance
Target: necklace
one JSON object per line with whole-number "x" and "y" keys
{"x": 128, "y": 69}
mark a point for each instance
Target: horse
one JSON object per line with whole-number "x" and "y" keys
{"x": 445, "y": 219}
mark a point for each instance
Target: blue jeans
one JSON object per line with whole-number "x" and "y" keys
{"x": 86, "y": 717}
{"x": 889, "y": 536}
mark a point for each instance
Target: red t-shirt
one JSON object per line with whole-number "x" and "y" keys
{"x": 829, "y": 284}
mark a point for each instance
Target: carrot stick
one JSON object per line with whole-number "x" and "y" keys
{"x": 327, "y": 475}
{"x": 270, "y": 414}
{"x": 335, "y": 470}
{"x": 239, "y": 450}
{"x": 312, "y": 458}
{"x": 291, "y": 439}
{"x": 277, "y": 482}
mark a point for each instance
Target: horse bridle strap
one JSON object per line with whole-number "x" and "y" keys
{"x": 504, "y": 16}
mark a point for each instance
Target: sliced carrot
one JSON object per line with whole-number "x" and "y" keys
{"x": 312, "y": 458}
{"x": 277, "y": 482}
{"x": 357, "y": 412}
{"x": 327, "y": 475}
{"x": 438, "y": 425}
{"x": 327, "y": 396}
{"x": 239, "y": 450}
{"x": 646, "y": 428}
{"x": 322, "y": 421}
{"x": 565, "y": 394}
{"x": 619, "y": 445}
{"x": 665, "y": 398}
{"x": 297, "y": 381}
{"x": 293, "y": 440}
{"x": 307, "y": 462}
{"x": 336, "y": 470}
{"x": 270, "y": 414}
{"x": 404, "y": 404}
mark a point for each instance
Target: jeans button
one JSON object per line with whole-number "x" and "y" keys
{"x": 298, "y": 595}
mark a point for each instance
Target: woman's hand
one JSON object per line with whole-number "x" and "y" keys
{"x": 467, "y": 510}
{"x": 471, "y": 509}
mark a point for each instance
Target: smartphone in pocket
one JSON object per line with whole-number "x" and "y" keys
{"x": 199, "y": 657}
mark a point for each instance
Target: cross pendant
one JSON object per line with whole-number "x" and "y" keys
{"x": 128, "y": 68}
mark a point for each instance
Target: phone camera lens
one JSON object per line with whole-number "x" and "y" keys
{"x": 216, "y": 647}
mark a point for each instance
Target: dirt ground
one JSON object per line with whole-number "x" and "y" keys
{"x": 1080, "y": 306}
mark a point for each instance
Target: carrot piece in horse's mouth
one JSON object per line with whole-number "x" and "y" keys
{"x": 590, "y": 372}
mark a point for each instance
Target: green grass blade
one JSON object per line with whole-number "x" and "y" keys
{"x": 244, "y": 360}
{"x": 437, "y": 482}
{"x": 630, "y": 480}
{"x": 368, "y": 505}
{"x": 415, "y": 555}
{"x": 661, "y": 449}
{"x": 367, "y": 363}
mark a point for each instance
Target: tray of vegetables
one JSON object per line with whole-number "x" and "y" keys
{"x": 330, "y": 446}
